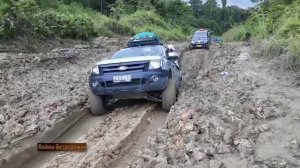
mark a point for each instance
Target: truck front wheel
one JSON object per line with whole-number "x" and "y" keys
{"x": 207, "y": 47}
{"x": 96, "y": 104}
{"x": 169, "y": 95}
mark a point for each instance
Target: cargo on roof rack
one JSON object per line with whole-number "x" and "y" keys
{"x": 145, "y": 38}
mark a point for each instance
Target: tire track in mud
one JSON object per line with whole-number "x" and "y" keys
{"x": 192, "y": 63}
{"x": 148, "y": 125}
{"x": 130, "y": 120}
{"x": 75, "y": 132}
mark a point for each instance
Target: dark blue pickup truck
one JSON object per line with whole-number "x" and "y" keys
{"x": 146, "y": 69}
{"x": 201, "y": 39}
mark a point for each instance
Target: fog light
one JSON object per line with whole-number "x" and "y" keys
{"x": 95, "y": 83}
{"x": 154, "y": 78}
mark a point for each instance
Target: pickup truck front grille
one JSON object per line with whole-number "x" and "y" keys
{"x": 133, "y": 82}
{"x": 124, "y": 67}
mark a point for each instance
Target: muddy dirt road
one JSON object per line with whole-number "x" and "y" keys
{"x": 43, "y": 94}
{"x": 233, "y": 111}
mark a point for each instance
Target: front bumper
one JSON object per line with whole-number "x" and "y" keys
{"x": 140, "y": 83}
{"x": 198, "y": 45}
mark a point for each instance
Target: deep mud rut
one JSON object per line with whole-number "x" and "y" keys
{"x": 42, "y": 95}
{"x": 111, "y": 138}
{"x": 232, "y": 112}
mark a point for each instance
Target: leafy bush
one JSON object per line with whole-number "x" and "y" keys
{"x": 237, "y": 33}
{"x": 118, "y": 28}
{"x": 72, "y": 21}
{"x": 52, "y": 22}
{"x": 3, "y": 7}
{"x": 47, "y": 3}
{"x": 66, "y": 21}
{"x": 141, "y": 18}
{"x": 149, "y": 21}
{"x": 15, "y": 21}
{"x": 290, "y": 27}
{"x": 171, "y": 34}
{"x": 277, "y": 21}
{"x": 294, "y": 52}
{"x": 49, "y": 18}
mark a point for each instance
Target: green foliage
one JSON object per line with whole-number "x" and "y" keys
{"x": 51, "y": 22}
{"x": 127, "y": 7}
{"x": 174, "y": 12}
{"x": 278, "y": 21}
{"x": 294, "y": 52}
{"x": 177, "y": 13}
{"x": 290, "y": 27}
{"x": 142, "y": 18}
{"x": 15, "y": 21}
{"x": 210, "y": 15}
{"x": 118, "y": 28}
{"x": 172, "y": 19}
{"x": 149, "y": 21}
{"x": 102, "y": 6}
{"x": 5, "y": 5}
{"x": 196, "y": 6}
{"x": 72, "y": 21}
{"x": 47, "y": 3}
{"x": 275, "y": 17}
{"x": 235, "y": 34}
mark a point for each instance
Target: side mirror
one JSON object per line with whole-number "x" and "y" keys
{"x": 173, "y": 55}
{"x": 169, "y": 50}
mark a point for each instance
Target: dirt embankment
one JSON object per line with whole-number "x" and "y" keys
{"x": 231, "y": 113}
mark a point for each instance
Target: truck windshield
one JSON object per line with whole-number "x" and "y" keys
{"x": 139, "y": 51}
{"x": 200, "y": 35}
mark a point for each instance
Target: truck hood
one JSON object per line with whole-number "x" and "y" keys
{"x": 129, "y": 59}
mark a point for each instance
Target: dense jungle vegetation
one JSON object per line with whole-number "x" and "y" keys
{"x": 172, "y": 19}
{"x": 276, "y": 23}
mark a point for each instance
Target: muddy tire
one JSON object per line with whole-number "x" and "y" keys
{"x": 169, "y": 95}
{"x": 208, "y": 47}
{"x": 96, "y": 104}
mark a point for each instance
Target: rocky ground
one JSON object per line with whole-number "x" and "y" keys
{"x": 234, "y": 110}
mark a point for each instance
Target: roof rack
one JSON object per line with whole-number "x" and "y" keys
{"x": 144, "y": 39}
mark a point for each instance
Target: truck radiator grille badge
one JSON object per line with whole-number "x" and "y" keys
{"x": 122, "y": 68}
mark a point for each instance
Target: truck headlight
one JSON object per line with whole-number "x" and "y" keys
{"x": 155, "y": 64}
{"x": 193, "y": 42}
{"x": 95, "y": 70}
{"x": 95, "y": 83}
